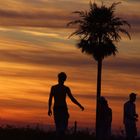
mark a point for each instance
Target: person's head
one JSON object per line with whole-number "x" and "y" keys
{"x": 62, "y": 77}
{"x": 132, "y": 97}
{"x": 103, "y": 101}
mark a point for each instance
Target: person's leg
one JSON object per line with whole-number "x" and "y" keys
{"x": 57, "y": 120}
{"x": 127, "y": 132}
{"x": 130, "y": 132}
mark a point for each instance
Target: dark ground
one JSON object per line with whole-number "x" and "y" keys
{"x": 27, "y": 133}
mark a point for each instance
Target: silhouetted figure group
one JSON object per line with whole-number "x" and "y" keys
{"x": 61, "y": 115}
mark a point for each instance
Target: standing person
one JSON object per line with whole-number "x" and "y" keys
{"x": 60, "y": 110}
{"x": 130, "y": 117}
{"x": 105, "y": 120}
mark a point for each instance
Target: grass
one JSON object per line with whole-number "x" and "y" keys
{"x": 27, "y": 133}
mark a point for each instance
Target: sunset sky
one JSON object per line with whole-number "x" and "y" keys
{"x": 34, "y": 48}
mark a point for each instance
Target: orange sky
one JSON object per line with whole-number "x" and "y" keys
{"x": 34, "y": 47}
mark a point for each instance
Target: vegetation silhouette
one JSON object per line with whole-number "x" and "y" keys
{"x": 130, "y": 117}
{"x": 98, "y": 30}
{"x": 29, "y": 133}
{"x": 60, "y": 109}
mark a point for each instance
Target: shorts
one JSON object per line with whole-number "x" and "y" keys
{"x": 61, "y": 117}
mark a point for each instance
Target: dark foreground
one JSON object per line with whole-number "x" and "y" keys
{"x": 12, "y": 133}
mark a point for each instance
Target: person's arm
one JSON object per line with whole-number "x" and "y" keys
{"x": 129, "y": 114}
{"x": 110, "y": 115}
{"x": 135, "y": 114}
{"x": 73, "y": 99}
{"x": 50, "y": 102}
{"x": 127, "y": 111}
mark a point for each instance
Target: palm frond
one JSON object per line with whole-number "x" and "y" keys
{"x": 97, "y": 51}
{"x": 74, "y": 22}
{"x": 98, "y": 30}
{"x": 113, "y": 6}
{"x": 125, "y": 32}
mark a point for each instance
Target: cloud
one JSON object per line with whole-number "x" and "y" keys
{"x": 50, "y": 48}
{"x": 51, "y": 16}
{"x": 65, "y": 59}
{"x": 131, "y": 0}
{"x": 124, "y": 65}
{"x": 108, "y": 97}
{"x": 20, "y": 103}
{"x": 36, "y": 19}
{"x": 43, "y": 58}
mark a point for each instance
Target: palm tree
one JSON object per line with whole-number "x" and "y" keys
{"x": 98, "y": 30}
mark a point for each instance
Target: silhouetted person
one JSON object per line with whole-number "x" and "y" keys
{"x": 60, "y": 109}
{"x": 130, "y": 117}
{"x": 105, "y": 120}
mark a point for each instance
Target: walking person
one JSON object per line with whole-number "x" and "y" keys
{"x": 60, "y": 109}
{"x": 130, "y": 117}
{"x": 105, "y": 120}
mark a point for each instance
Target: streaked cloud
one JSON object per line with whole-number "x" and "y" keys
{"x": 38, "y": 15}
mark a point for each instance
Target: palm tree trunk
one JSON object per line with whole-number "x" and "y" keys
{"x": 98, "y": 96}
